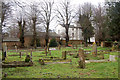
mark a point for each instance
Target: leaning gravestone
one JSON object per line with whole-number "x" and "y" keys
{"x": 81, "y": 59}
{"x": 94, "y": 49}
{"x": 64, "y": 54}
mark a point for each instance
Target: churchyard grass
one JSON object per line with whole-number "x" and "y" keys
{"x": 68, "y": 70}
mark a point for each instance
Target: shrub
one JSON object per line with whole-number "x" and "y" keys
{"x": 53, "y": 43}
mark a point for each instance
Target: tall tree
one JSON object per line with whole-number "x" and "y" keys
{"x": 35, "y": 20}
{"x": 65, "y": 15}
{"x": 46, "y": 13}
{"x": 99, "y": 21}
{"x": 85, "y": 15}
{"x": 21, "y": 21}
{"x": 113, "y": 13}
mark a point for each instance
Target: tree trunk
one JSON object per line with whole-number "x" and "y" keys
{"x": 85, "y": 42}
{"x": 21, "y": 31}
{"x": 67, "y": 35}
{"x": 34, "y": 33}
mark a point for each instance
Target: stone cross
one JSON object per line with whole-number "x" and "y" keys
{"x": 94, "y": 49}
{"x": 81, "y": 58}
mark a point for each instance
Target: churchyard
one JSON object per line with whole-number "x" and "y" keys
{"x": 64, "y": 62}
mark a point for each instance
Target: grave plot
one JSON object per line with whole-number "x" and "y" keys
{"x": 16, "y": 64}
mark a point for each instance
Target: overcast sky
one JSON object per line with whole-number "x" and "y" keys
{"x": 75, "y": 3}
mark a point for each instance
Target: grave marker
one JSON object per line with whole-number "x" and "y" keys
{"x": 64, "y": 54}
{"x": 94, "y": 49}
{"x": 81, "y": 59}
{"x": 4, "y": 53}
{"x": 20, "y": 54}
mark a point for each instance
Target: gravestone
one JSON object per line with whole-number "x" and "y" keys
{"x": 16, "y": 48}
{"x": 20, "y": 54}
{"x": 76, "y": 46}
{"x": 81, "y": 58}
{"x": 4, "y": 53}
{"x": 112, "y": 58}
{"x": 94, "y": 49}
{"x": 64, "y": 55}
{"x": 50, "y": 52}
{"x": 102, "y": 44}
{"x": 46, "y": 50}
{"x": 41, "y": 61}
{"x": 27, "y": 59}
{"x": 59, "y": 47}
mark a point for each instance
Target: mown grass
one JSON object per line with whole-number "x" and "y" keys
{"x": 92, "y": 70}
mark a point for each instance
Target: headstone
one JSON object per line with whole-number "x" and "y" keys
{"x": 112, "y": 58}
{"x": 59, "y": 47}
{"x": 16, "y": 48}
{"x": 46, "y": 50}
{"x": 41, "y": 61}
{"x": 76, "y": 46}
{"x": 27, "y": 59}
{"x": 20, "y": 54}
{"x": 64, "y": 54}
{"x": 102, "y": 44}
{"x": 94, "y": 49}
{"x": 4, "y": 53}
{"x": 81, "y": 59}
{"x": 50, "y": 52}
{"x": 72, "y": 46}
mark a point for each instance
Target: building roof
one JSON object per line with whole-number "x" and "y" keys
{"x": 71, "y": 26}
{"x": 10, "y": 39}
{"x": 42, "y": 34}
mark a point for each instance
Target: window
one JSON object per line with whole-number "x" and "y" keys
{"x": 72, "y": 29}
{"x": 72, "y": 34}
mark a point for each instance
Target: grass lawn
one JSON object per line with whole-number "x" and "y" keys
{"x": 92, "y": 70}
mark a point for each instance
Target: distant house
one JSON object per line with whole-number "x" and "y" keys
{"x": 28, "y": 37}
{"x": 11, "y": 42}
{"x": 75, "y": 32}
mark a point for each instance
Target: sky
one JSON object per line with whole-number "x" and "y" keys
{"x": 75, "y": 3}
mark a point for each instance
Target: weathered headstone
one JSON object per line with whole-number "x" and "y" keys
{"x": 112, "y": 58}
{"x": 76, "y": 46}
{"x": 59, "y": 47}
{"x": 94, "y": 49}
{"x": 50, "y": 52}
{"x": 72, "y": 46}
{"x": 102, "y": 44}
{"x": 64, "y": 54}
{"x": 4, "y": 53}
{"x": 27, "y": 59}
{"x": 81, "y": 59}
{"x": 20, "y": 54}
{"x": 41, "y": 61}
{"x": 16, "y": 48}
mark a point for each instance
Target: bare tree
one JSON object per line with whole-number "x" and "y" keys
{"x": 21, "y": 20}
{"x": 99, "y": 21}
{"x": 47, "y": 7}
{"x": 85, "y": 20}
{"x": 65, "y": 15}
{"x": 35, "y": 19}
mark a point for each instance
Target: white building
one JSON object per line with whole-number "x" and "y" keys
{"x": 75, "y": 32}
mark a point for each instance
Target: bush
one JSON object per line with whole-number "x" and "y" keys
{"x": 53, "y": 43}
{"x": 37, "y": 42}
